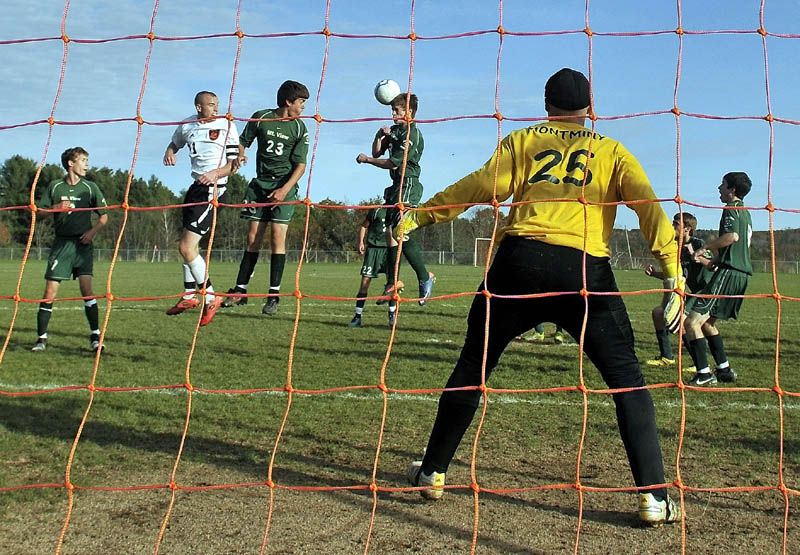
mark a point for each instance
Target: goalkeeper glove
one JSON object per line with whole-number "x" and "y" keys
{"x": 673, "y": 311}
{"x": 405, "y": 223}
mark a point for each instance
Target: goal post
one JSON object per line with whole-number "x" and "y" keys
{"x": 480, "y": 250}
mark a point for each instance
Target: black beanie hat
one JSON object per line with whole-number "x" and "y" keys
{"x": 567, "y": 89}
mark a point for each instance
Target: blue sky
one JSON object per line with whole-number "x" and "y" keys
{"x": 721, "y": 75}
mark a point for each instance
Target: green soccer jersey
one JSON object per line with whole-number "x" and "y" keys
{"x": 282, "y": 144}
{"x": 376, "y": 232}
{"x": 737, "y": 255}
{"x": 84, "y": 194}
{"x": 695, "y": 273}
{"x": 397, "y": 146}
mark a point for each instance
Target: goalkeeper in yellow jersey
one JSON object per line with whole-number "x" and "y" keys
{"x": 542, "y": 251}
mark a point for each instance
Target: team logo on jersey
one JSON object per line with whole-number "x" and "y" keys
{"x": 213, "y": 134}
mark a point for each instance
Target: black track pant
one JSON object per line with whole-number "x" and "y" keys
{"x": 524, "y": 267}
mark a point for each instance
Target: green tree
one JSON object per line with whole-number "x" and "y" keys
{"x": 16, "y": 179}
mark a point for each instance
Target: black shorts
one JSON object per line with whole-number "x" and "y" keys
{"x": 526, "y": 267}
{"x": 198, "y": 218}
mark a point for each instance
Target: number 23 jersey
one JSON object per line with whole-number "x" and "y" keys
{"x": 282, "y": 144}
{"x": 545, "y": 167}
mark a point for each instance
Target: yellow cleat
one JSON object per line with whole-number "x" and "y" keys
{"x": 661, "y": 361}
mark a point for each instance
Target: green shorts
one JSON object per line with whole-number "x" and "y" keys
{"x": 724, "y": 282}
{"x": 412, "y": 194}
{"x": 69, "y": 258}
{"x": 374, "y": 262}
{"x": 257, "y": 193}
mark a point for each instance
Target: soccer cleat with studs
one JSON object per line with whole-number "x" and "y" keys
{"x": 417, "y": 478}
{"x": 236, "y": 298}
{"x": 388, "y": 291}
{"x": 392, "y": 317}
{"x": 655, "y": 512}
{"x": 209, "y": 310}
{"x": 426, "y": 289}
{"x": 41, "y": 345}
{"x": 355, "y": 322}
{"x": 703, "y": 378}
{"x": 661, "y": 361}
{"x": 271, "y": 306}
{"x": 726, "y": 375}
{"x": 558, "y": 338}
{"x": 94, "y": 343}
{"x": 182, "y": 305}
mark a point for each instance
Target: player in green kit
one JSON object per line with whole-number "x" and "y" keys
{"x": 405, "y": 187}
{"x": 695, "y": 272}
{"x": 729, "y": 282}
{"x": 372, "y": 244}
{"x": 71, "y": 255}
{"x": 282, "y": 140}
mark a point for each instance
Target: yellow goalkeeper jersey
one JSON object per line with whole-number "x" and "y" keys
{"x": 544, "y": 168}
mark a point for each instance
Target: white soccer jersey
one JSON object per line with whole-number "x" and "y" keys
{"x": 207, "y": 140}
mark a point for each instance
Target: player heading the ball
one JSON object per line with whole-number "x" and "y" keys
{"x": 282, "y": 140}
{"x": 72, "y": 253}
{"x": 405, "y": 144}
{"x": 213, "y": 145}
{"x": 542, "y": 251}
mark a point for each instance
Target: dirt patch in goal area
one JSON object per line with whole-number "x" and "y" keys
{"x": 317, "y": 519}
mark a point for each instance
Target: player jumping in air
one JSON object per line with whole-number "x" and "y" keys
{"x": 729, "y": 282}
{"x": 72, "y": 253}
{"x": 542, "y": 251}
{"x": 213, "y": 145}
{"x": 405, "y": 187}
{"x": 282, "y": 140}
{"x": 696, "y": 274}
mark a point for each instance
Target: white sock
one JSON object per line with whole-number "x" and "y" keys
{"x": 187, "y": 278}
{"x": 197, "y": 267}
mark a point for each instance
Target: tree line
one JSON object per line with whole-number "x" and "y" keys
{"x": 331, "y": 225}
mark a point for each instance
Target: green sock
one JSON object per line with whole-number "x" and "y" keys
{"x": 43, "y": 318}
{"x": 414, "y": 256}
{"x": 391, "y": 260}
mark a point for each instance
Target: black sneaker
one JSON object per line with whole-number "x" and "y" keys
{"x": 235, "y": 299}
{"x": 94, "y": 342}
{"x": 392, "y": 317}
{"x": 725, "y": 375}
{"x": 703, "y": 378}
{"x": 355, "y": 322}
{"x": 271, "y": 306}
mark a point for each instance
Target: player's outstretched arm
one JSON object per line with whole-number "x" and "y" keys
{"x": 382, "y": 163}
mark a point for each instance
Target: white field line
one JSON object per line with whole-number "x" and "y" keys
{"x": 538, "y": 399}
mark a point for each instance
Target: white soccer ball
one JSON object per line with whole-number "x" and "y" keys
{"x": 386, "y": 90}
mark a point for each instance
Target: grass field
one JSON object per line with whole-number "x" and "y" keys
{"x": 336, "y": 433}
